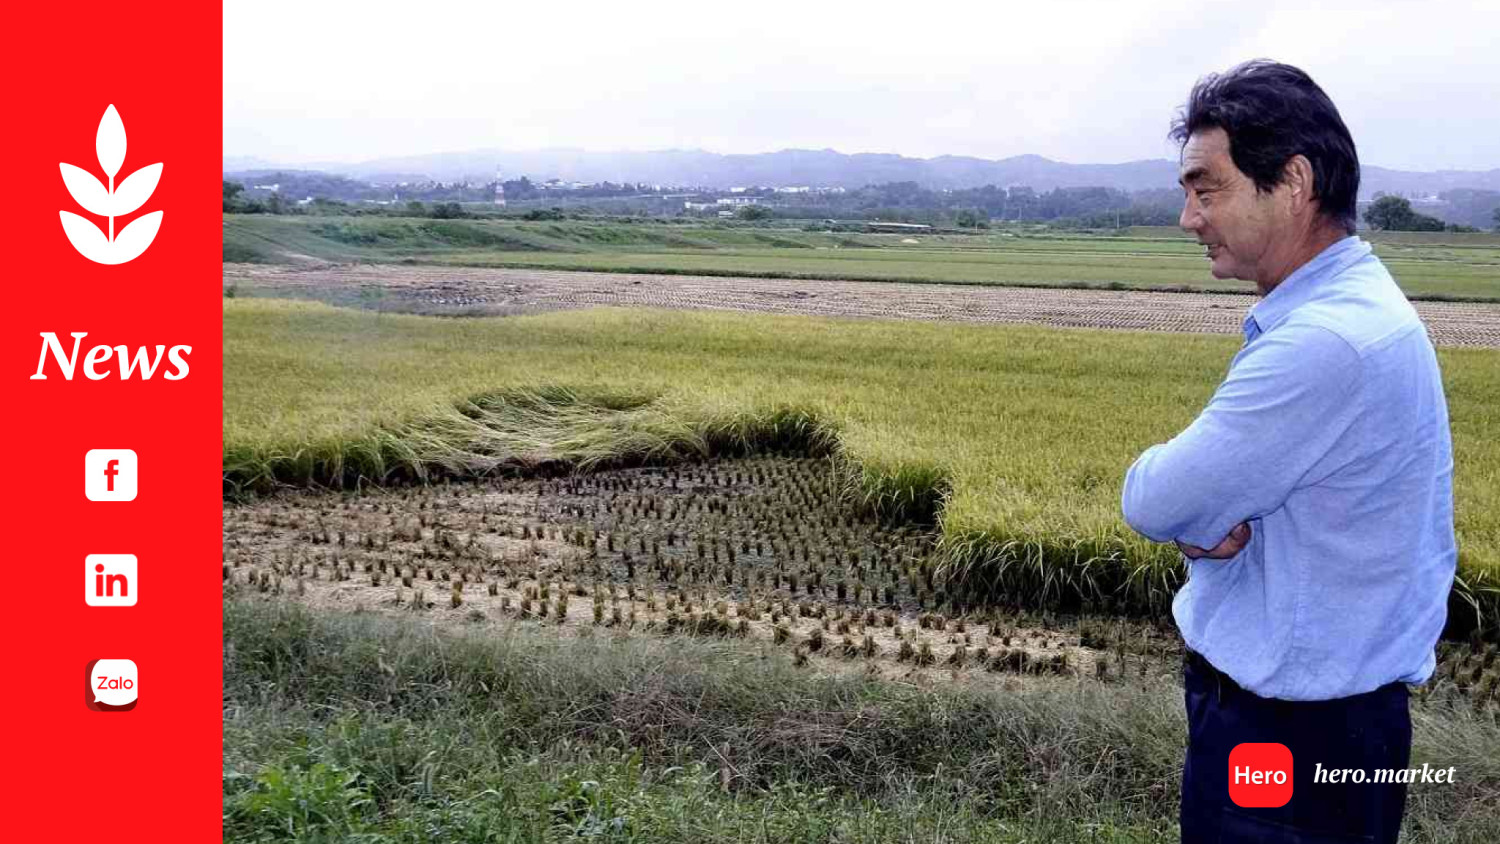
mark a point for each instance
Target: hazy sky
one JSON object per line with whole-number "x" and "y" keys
{"x": 1418, "y": 83}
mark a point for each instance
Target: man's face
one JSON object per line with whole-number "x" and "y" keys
{"x": 1236, "y": 223}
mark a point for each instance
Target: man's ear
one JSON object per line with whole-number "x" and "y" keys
{"x": 1297, "y": 178}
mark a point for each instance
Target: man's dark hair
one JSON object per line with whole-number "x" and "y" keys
{"x": 1271, "y": 112}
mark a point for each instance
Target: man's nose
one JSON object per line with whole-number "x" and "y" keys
{"x": 1190, "y": 220}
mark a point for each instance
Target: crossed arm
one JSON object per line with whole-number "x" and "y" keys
{"x": 1283, "y": 405}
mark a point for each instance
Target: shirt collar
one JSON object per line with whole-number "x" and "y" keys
{"x": 1302, "y": 285}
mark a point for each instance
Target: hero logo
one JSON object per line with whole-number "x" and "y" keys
{"x": 141, "y": 361}
{"x": 111, "y": 202}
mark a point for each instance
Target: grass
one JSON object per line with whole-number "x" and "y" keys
{"x": 353, "y": 727}
{"x": 1021, "y": 436}
{"x": 1454, "y": 266}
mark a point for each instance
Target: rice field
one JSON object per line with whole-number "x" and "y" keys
{"x": 1014, "y": 441}
{"x": 760, "y": 548}
{"x": 490, "y": 291}
{"x": 685, "y": 576}
{"x": 1450, "y": 266}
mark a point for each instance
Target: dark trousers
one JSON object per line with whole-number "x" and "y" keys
{"x": 1370, "y": 731}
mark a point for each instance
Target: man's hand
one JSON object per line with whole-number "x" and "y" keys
{"x": 1224, "y": 550}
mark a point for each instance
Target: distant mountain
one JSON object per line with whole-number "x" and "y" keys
{"x": 1409, "y": 182}
{"x": 241, "y": 163}
{"x": 827, "y": 167}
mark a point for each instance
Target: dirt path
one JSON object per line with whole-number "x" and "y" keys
{"x": 426, "y": 289}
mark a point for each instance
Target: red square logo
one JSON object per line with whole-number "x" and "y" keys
{"x": 1260, "y": 775}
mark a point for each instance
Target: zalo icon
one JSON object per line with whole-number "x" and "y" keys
{"x": 114, "y": 685}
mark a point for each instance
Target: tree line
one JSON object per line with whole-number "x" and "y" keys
{"x": 1394, "y": 213}
{"x": 906, "y": 201}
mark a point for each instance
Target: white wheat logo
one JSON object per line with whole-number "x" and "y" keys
{"x": 110, "y": 202}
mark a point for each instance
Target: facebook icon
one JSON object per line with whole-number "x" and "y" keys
{"x": 109, "y": 474}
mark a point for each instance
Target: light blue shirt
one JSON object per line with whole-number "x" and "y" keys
{"x": 1330, "y": 437}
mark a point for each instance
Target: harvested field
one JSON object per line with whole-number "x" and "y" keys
{"x": 498, "y": 291}
{"x": 763, "y": 549}
{"x": 757, "y": 549}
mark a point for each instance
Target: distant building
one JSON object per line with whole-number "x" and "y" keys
{"x": 897, "y": 227}
{"x": 499, "y": 189}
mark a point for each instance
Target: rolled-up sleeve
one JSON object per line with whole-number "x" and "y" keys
{"x": 1283, "y": 405}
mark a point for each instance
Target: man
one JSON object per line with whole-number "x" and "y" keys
{"x": 1313, "y": 495}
